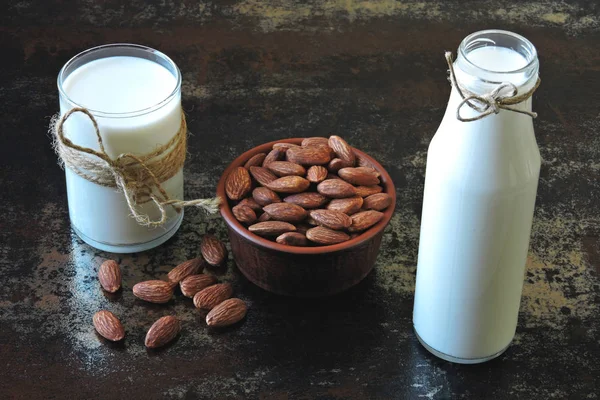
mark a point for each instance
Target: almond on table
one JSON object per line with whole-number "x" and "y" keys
{"x": 162, "y": 332}
{"x": 213, "y": 250}
{"x": 109, "y": 275}
{"x": 108, "y": 326}
{"x": 226, "y": 313}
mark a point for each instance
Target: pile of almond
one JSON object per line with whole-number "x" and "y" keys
{"x": 321, "y": 192}
{"x": 206, "y": 292}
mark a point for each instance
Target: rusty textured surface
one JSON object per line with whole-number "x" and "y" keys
{"x": 258, "y": 71}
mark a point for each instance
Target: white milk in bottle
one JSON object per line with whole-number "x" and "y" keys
{"x": 480, "y": 190}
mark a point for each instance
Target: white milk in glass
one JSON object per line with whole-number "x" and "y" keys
{"x": 480, "y": 190}
{"x": 137, "y": 104}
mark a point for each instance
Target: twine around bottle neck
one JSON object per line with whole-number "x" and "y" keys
{"x": 502, "y": 97}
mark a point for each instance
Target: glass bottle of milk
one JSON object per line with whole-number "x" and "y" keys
{"x": 480, "y": 190}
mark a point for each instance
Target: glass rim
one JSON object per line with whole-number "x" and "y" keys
{"x": 530, "y": 46}
{"x": 127, "y": 114}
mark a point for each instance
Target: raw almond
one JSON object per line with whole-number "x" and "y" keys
{"x": 154, "y": 291}
{"x": 286, "y": 168}
{"x": 364, "y": 220}
{"x": 289, "y": 184}
{"x": 109, "y": 276}
{"x": 250, "y": 202}
{"x": 316, "y": 174}
{"x": 311, "y": 141}
{"x": 284, "y": 146}
{"x": 213, "y": 295}
{"x": 365, "y": 191}
{"x": 108, "y": 326}
{"x": 326, "y": 236}
{"x": 271, "y": 228}
{"x": 336, "y": 188}
{"x": 363, "y": 176}
{"x": 238, "y": 183}
{"x": 348, "y": 206}
{"x": 262, "y": 175}
{"x": 244, "y": 214}
{"x": 274, "y": 155}
{"x": 306, "y": 199}
{"x": 331, "y": 219}
{"x": 264, "y": 218}
{"x": 342, "y": 149}
{"x": 378, "y": 201}
{"x": 336, "y": 164}
{"x": 162, "y": 332}
{"x": 311, "y": 155}
{"x": 189, "y": 267}
{"x": 195, "y": 283}
{"x": 292, "y": 239}
{"x": 227, "y": 313}
{"x": 287, "y": 212}
{"x": 265, "y": 196}
{"x": 255, "y": 161}
{"x": 213, "y": 250}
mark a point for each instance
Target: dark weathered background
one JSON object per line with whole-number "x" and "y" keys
{"x": 258, "y": 71}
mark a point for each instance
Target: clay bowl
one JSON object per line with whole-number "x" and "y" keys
{"x": 303, "y": 271}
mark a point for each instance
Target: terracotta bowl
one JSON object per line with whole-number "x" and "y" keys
{"x": 303, "y": 271}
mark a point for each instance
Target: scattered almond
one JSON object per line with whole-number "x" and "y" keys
{"x": 195, "y": 283}
{"x": 213, "y": 295}
{"x": 326, "y": 236}
{"x": 287, "y": 212}
{"x": 227, "y": 313}
{"x": 331, "y": 219}
{"x": 108, "y": 326}
{"x": 238, "y": 183}
{"x": 162, "y": 332}
{"x": 213, "y": 250}
{"x": 189, "y": 267}
{"x": 109, "y": 275}
{"x": 154, "y": 291}
{"x": 364, "y": 220}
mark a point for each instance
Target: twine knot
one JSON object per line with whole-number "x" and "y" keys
{"x": 502, "y": 97}
{"x": 138, "y": 177}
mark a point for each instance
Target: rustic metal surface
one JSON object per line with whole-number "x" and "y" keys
{"x": 257, "y": 71}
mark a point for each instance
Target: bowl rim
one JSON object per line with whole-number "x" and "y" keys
{"x": 233, "y": 223}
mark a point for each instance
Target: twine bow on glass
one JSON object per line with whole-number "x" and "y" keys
{"x": 502, "y": 97}
{"x": 138, "y": 177}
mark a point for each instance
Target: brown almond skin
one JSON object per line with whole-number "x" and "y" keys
{"x": 314, "y": 141}
{"x": 348, "y": 206}
{"x": 332, "y": 175}
{"x": 286, "y": 168}
{"x": 336, "y": 164}
{"x": 109, "y": 275}
{"x": 250, "y": 202}
{"x": 265, "y": 196}
{"x": 238, "y": 183}
{"x": 292, "y": 239}
{"x": 227, "y": 313}
{"x": 264, "y": 218}
{"x": 331, "y": 219}
{"x": 284, "y": 146}
{"x": 244, "y": 214}
{"x": 189, "y": 267}
{"x": 108, "y": 326}
{"x": 271, "y": 228}
{"x": 378, "y": 202}
{"x": 256, "y": 160}
{"x": 336, "y": 189}
{"x": 162, "y": 332}
{"x": 366, "y": 191}
{"x": 289, "y": 184}
{"x": 213, "y": 250}
{"x": 195, "y": 283}
{"x": 274, "y": 155}
{"x": 311, "y": 155}
{"x": 286, "y": 212}
{"x": 212, "y": 296}
{"x": 316, "y": 174}
{"x": 362, "y": 176}
{"x": 364, "y": 220}
{"x": 154, "y": 291}
{"x": 306, "y": 199}
{"x": 342, "y": 149}
{"x": 326, "y": 236}
{"x": 262, "y": 175}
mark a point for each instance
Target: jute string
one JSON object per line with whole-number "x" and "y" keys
{"x": 138, "y": 177}
{"x": 502, "y": 97}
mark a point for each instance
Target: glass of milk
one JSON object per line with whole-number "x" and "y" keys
{"x": 134, "y": 93}
{"x": 480, "y": 190}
